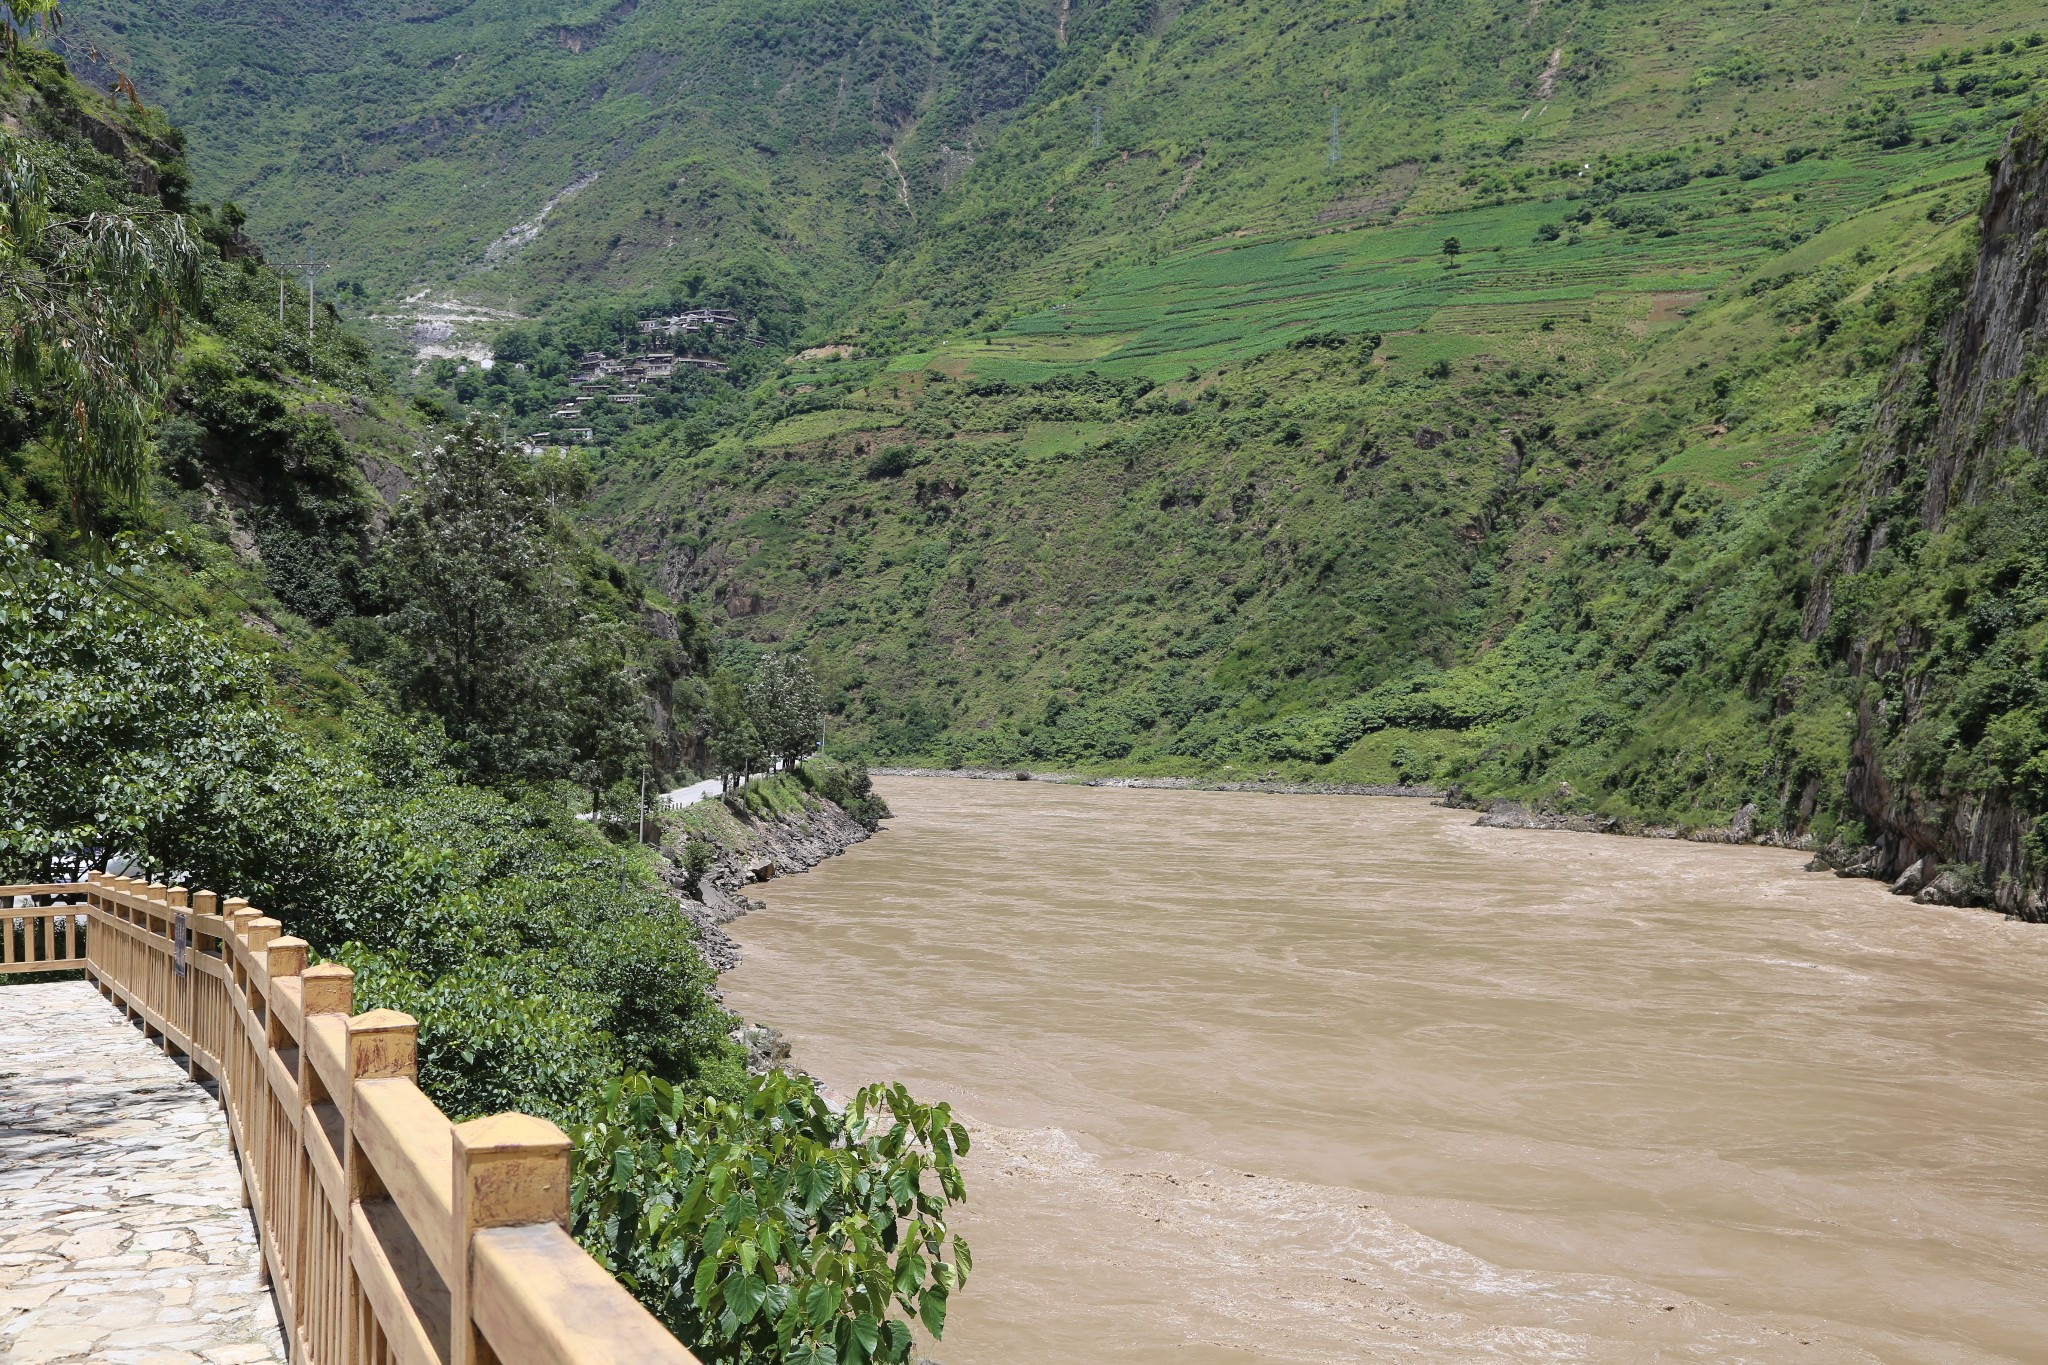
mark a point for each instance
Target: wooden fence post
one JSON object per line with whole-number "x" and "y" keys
{"x": 240, "y": 915}
{"x": 283, "y": 957}
{"x": 326, "y": 990}
{"x": 330, "y": 989}
{"x": 511, "y": 1170}
{"x": 383, "y": 1045}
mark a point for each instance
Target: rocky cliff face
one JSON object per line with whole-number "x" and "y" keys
{"x": 1956, "y": 444}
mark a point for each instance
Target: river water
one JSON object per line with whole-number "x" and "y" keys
{"x": 1284, "y": 1078}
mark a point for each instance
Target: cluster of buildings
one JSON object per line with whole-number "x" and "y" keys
{"x": 697, "y": 319}
{"x": 616, "y": 379}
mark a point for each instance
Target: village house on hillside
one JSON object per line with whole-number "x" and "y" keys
{"x": 694, "y": 320}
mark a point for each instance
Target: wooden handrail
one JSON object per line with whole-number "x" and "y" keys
{"x": 41, "y": 938}
{"x": 390, "y": 1235}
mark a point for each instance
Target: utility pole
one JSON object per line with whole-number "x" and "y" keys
{"x": 643, "y": 805}
{"x": 280, "y": 300}
{"x": 1098, "y": 127}
{"x": 309, "y": 268}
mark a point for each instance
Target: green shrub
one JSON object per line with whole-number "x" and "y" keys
{"x": 847, "y": 785}
{"x": 770, "y": 1227}
{"x": 891, "y": 462}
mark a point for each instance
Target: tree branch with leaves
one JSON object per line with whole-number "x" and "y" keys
{"x": 90, "y": 305}
{"x": 773, "y": 1227}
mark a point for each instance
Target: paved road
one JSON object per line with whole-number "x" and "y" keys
{"x": 690, "y": 795}
{"x": 123, "y": 1240}
{"x": 695, "y": 792}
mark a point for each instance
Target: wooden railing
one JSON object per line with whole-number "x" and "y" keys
{"x": 390, "y": 1235}
{"x": 41, "y": 938}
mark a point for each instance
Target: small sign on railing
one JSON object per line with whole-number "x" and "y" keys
{"x": 181, "y": 938}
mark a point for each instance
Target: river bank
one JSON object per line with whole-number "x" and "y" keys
{"x": 750, "y": 847}
{"x": 749, "y": 851}
{"x": 1165, "y": 783}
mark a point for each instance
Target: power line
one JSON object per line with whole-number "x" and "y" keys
{"x": 132, "y": 593}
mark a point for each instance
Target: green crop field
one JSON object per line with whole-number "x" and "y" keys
{"x": 1219, "y": 303}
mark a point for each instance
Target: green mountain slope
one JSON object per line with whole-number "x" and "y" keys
{"x": 1540, "y": 517}
{"x": 534, "y": 150}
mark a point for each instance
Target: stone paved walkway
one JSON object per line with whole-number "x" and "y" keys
{"x": 122, "y": 1236}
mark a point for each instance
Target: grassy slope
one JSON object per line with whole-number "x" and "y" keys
{"x": 1216, "y": 127}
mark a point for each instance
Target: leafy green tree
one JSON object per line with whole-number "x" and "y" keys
{"x": 736, "y": 748}
{"x": 600, "y": 693}
{"x": 90, "y": 301}
{"x": 783, "y": 702}
{"x": 530, "y": 675}
{"x": 479, "y": 600}
{"x": 772, "y": 1228}
{"x": 145, "y": 736}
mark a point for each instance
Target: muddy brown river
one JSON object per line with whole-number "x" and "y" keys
{"x": 1277, "y": 1078}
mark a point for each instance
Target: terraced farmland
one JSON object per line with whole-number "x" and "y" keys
{"x": 1224, "y": 302}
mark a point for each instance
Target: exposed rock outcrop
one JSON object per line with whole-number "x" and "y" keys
{"x": 1958, "y": 404}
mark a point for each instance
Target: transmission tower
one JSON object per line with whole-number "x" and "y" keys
{"x": 1098, "y": 127}
{"x": 1333, "y": 135}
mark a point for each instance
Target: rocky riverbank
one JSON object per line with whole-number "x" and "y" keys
{"x": 1166, "y": 783}
{"x": 1926, "y": 881}
{"x": 752, "y": 851}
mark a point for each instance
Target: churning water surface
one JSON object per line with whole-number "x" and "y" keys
{"x": 1289, "y": 1078}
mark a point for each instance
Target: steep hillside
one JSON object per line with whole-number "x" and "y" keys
{"x": 1477, "y": 394}
{"x": 980, "y": 158}
{"x": 276, "y": 468}
{"x": 524, "y": 151}
{"x": 1217, "y": 127}
{"x": 1934, "y": 595}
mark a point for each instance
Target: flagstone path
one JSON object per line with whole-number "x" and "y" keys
{"x": 123, "y": 1240}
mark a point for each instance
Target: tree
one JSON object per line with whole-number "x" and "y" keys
{"x": 604, "y": 722}
{"x": 736, "y": 749}
{"x": 28, "y": 19}
{"x": 90, "y": 303}
{"x": 480, "y": 603}
{"x": 1452, "y": 246}
{"x": 126, "y": 732}
{"x": 783, "y": 703}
